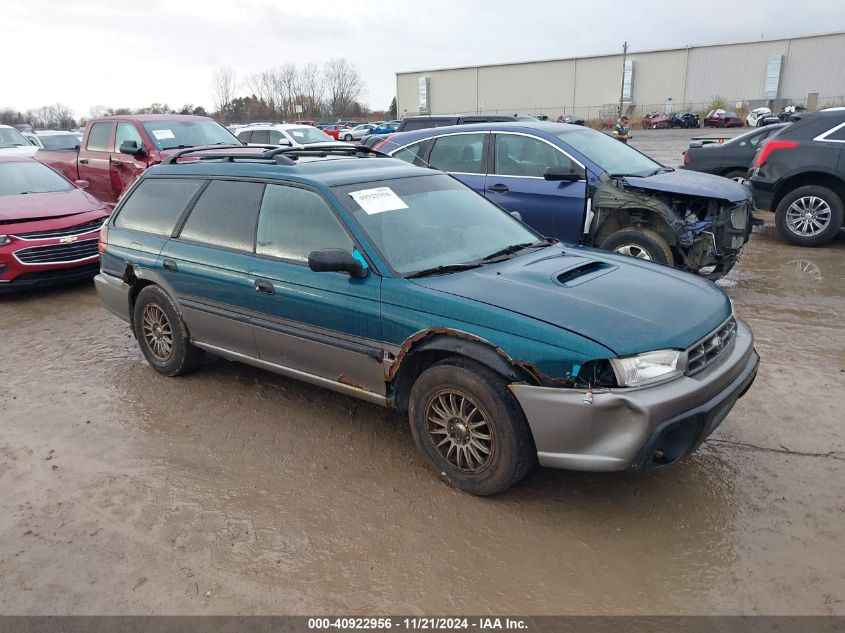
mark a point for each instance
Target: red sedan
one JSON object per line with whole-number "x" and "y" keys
{"x": 335, "y": 130}
{"x": 656, "y": 120}
{"x": 49, "y": 226}
{"x": 722, "y": 118}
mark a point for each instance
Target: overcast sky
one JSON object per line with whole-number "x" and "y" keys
{"x": 135, "y": 52}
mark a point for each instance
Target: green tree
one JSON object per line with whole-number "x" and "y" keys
{"x": 391, "y": 111}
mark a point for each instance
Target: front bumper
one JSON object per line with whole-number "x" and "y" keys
{"x": 637, "y": 428}
{"x": 50, "y": 277}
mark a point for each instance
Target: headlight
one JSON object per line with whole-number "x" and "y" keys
{"x": 648, "y": 368}
{"x": 5, "y": 239}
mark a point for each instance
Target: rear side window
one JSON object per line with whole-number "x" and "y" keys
{"x": 294, "y": 222}
{"x": 99, "y": 137}
{"x": 156, "y": 204}
{"x": 837, "y": 135}
{"x": 460, "y": 153}
{"x": 245, "y": 136}
{"x": 261, "y": 136}
{"x": 225, "y": 215}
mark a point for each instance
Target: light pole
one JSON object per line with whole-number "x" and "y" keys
{"x": 622, "y": 86}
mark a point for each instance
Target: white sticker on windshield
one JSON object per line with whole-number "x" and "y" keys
{"x": 298, "y": 134}
{"x": 163, "y": 134}
{"x": 378, "y": 200}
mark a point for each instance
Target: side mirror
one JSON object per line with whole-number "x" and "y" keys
{"x": 517, "y": 215}
{"x": 132, "y": 148}
{"x": 283, "y": 142}
{"x": 333, "y": 260}
{"x": 82, "y": 184}
{"x": 572, "y": 173}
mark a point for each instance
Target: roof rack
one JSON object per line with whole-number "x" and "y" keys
{"x": 272, "y": 154}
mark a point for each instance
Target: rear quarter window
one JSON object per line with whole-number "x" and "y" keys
{"x": 225, "y": 215}
{"x": 156, "y": 204}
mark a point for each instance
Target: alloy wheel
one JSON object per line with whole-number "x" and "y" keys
{"x": 157, "y": 332}
{"x": 459, "y": 430}
{"x": 808, "y": 216}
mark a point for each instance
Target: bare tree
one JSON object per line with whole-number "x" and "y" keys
{"x": 344, "y": 86}
{"x": 223, "y": 87}
{"x": 313, "y": 89}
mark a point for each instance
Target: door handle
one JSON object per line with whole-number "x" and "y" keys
{"x": 83, "y": 161}
{"x": 262, "y": 285}
{"x": 499, "y": 188}
{"x": 170, "y": 265}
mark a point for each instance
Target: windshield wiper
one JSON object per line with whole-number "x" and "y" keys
{"x": 662, "y": 170}
{"x": 514, "y": 248}
{"x": 164, "y": 149}
{"x": 443, "y": 270}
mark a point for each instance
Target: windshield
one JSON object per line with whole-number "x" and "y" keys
{"x": 21, "y": 177}
{"x": 188, "y": 133}
{"x": 424, "y": 222}
{"x": 306, "y": 135}
{"x": 59, "y": 141}
{"x": 10, "y": 137}
{"x": 617, "y": 159}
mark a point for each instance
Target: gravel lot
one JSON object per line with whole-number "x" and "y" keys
{"x": 233, "y": 490}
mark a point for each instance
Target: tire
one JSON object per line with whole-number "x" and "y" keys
{"x": 640, "y": 243}
{"x": 155, "y": 315}
{"x": 348, "y": 137}
{"x": 451, "y": 387}
{"x": 825, "y": 207}
{"x": 737, "y": 175}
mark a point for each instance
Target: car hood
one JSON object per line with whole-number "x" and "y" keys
{"x": 23, "y": 150}
{"x": 690, "y": 183}
{"x": 35, "y": 206}
{"x": 626, "y": 305}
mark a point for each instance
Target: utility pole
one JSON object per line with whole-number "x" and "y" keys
{"x": 622, "y": 86}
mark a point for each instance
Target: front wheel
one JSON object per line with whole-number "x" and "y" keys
{"x": 809, "y": 216}
{"x": 348, "y": 137}
{"x": 162, "y": 335}
{"x": 640, "y": 243}
{"x": 470, "y": 427}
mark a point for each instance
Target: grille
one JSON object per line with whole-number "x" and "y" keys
{"x": 712, "y": 347}
{"x": 79, "y": 229}
{"x": 58, "y": 253}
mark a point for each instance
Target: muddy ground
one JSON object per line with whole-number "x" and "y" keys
{"x": 233, "y": 490}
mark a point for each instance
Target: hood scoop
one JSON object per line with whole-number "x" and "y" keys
{"x": 582, "y": 273}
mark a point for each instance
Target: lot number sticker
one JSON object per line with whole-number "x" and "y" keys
{"x": 163, "y": 134}
{"x": 378, "y": 200}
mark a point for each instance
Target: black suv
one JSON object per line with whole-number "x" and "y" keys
{"x": 800, "y": 175}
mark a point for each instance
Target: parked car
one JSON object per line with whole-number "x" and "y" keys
{"x": 49, "y": 226}
{"x": 402, "y": 287}
{"x": 722, "y": 118}
{"x": 568, "y": 118}
{"x": 731, "y": 159}
{"x": 685, "y": 120}
{"x": 790, "y": 111}
{"x": 335, "y": 130}
{"x": 656, "y": 120}
{"x": 54, "y": 139}
{"x": 115, "y": 150}
{"x": 425, "y": 121}
{"x": 583, "y": 187}
{"x": 385, "y": 128}
{"x": 284, "y": 134}
{"x": 800, "y": 175}
{"x": 307, "y": 122}
{"x": 12, "y": 143}
{"x": 760, "y": 117}
{"x": 358, "y": 132}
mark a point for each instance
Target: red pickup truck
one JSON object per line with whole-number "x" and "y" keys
{"x": 115, "y": 150}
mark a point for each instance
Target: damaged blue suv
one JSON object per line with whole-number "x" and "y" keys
{"x": 401, "y": 286}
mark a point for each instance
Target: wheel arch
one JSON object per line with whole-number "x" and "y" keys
{"x": 424, "y": 349}
{"x": 818, "y": 178}
{"x": 631, "y": 217}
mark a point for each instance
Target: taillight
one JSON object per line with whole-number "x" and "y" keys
{"x": 771, "y": 146}
{"x": 104, "y": 239}
{"x": 687, "y": 160}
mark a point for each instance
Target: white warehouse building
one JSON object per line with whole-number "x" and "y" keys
{"x": 808, "y": 70}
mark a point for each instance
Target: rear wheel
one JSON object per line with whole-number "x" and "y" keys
{"x": 809, "y": 216}
{"x": 640, "y": 243}
{"x": 737, "y": 175}
{"x": 162, "y": 335}
{"x": 470, "y": 427}
{"x": 347, "y": 137}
